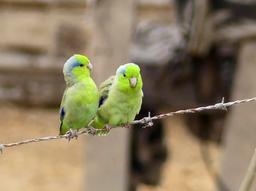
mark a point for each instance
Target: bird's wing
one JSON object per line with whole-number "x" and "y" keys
{"x": 62, "y": 110}
{"x": 104, "y": 89}
{"x": 140, "y": 103}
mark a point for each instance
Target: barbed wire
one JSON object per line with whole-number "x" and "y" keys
{"x": 146, "y": 122}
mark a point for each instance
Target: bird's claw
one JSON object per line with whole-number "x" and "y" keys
{"x": 108, "y": 128}
{"x": 71, "y": 134}
{"x": 105, "y": 131}
{"x": 127, "y": 126}
{"x": 92, "y": 131}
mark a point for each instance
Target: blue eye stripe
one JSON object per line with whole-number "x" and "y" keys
{"x": 71, "y": 63}
{"x": 74, "y": 63}
{"x": 121, "y": 70}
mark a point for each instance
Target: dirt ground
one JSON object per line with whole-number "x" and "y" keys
{"x": 186, "y": 170}
{"x": 59, "y": 165}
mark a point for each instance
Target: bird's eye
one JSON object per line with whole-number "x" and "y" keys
{"x": 81, "y": 65}
{"x": 124, "y": 75}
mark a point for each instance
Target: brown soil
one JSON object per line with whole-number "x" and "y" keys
{"x": 54, "y": 165}
{"x": 186, "y": 169}
{"x": 59, "y": 165}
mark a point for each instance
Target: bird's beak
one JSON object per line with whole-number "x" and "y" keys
{"x": 90, "y": 66}
{"x": 133, "y": 82}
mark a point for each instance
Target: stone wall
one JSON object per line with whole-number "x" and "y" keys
{"x": 38, "y": 36}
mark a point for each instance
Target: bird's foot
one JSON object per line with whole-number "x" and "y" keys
{"x": 71, "y": 134}
{"x": 105, "y": 131}
{"x": 92, "y": 130}
{"x": 127, "y": 126}
{"x": 108, "y": 128}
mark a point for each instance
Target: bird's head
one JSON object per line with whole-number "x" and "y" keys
{"x": 129, "y": 77}
{"x": 76, "y": 68}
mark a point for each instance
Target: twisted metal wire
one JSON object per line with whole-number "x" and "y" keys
{"x": 146, "y": 122}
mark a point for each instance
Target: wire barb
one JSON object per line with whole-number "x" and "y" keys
{"x": 221, "y": 105}
{"x": 146, "y": 122}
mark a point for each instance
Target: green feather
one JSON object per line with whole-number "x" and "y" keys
{"x": 82, "y": 59}
{"x": 80, "y": 99}
{"x": 122, "y": 102}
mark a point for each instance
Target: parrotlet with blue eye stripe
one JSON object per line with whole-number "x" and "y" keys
{"x": 120, "y": 98}
{"x": 81, "y": 98}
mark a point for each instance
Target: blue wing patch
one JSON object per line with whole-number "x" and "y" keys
{"x": 62, "y": 113}
{"x": 102, "y": 100}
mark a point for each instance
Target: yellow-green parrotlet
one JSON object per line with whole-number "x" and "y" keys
{"x": 120, "y": 98}
{"x": 81, "y": 98}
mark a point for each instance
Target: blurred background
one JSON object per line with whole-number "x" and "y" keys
{"x": 191, "y": 53}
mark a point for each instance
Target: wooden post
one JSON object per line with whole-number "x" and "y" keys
{"x": 107, "y": 157}
{"x": 240, "y": 139}
{"x": 250, "y": 175}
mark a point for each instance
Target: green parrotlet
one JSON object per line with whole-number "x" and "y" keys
{"x": 120, "y": 98}
{"x": 81, "y": 98}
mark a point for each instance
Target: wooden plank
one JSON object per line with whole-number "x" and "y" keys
{"x": 236, "y": 32}
{"x": 24, "y": 63}
{"x": 23, "y": 29}
{"x": 155, "y": 3}
{"x": 35, "y": 89}
{"x": 44, "y": 2}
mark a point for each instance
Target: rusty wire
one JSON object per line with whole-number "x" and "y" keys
{"x": 145, "y": 122}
